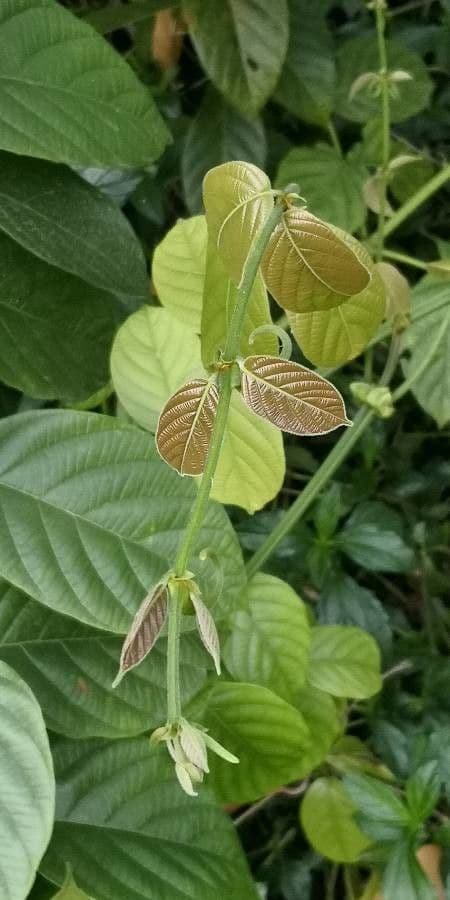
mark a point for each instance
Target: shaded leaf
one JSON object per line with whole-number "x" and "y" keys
{"x": 302, "y": 251}
{"x": 216, "y": 135}
{"x": 67, "y": 95}
{"x": 317, "y": 170}
{"x": 241, "y": 46}
{"x": 269, "y": 638}
{"x": 432, "y": 389}
{"x": 152, "y": 355}
{"x": 291, "y": 396}
{"x": 91, "y": 516}
{"x": 27, "y": 786}
{"x": 404, "y": 876}
{"x": 373, "y": 538}
{"x": 345, "y": 602}
{"x": 327, "y": 818}
{"x": 60, "y": 218}
{"x": 207, "y": 629}
{"x": 325, "y": 722}
{"x": 185, "y": 426}
{"x": 251, "y": 466}
{"x": 344, "y": 662}
{"x": 70, "y": 891}
{"x": 238, "y": 199}
{"x": 110, "y": 828}
{"x": 178, "y": 270}
{"x": 145, "y": 630}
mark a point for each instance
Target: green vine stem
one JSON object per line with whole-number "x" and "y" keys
{"x": 405, "y": 260}
{"x": 423, "y": 194}
{"x": 200, "y": 503}
{"x": 380, "y": 10}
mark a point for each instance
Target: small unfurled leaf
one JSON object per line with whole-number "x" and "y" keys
{"x": 365, "y": 80}
{"x": 145, "y": 630}
{"x": 193, "y": 746}
{"x": 302, "y": 251}
{"x": 238, "y": 199}
{"x": 291, "y": 396}
{"x": 400, "y": 75}
{"x": 397, "y": 290}
{"x": 185, "y": 426}
{"x": 404, "y": 159}
{"x": 372, "y": 192}
{"x": 207, "y": 629}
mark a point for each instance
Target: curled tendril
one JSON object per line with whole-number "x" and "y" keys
{"x": 208, "y": 555}
{"x": 281, "y": 334}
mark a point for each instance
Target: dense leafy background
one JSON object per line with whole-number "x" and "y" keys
{"x": 111, "y": 113}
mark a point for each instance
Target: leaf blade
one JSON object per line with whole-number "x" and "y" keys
{"x": 185, "y": 426}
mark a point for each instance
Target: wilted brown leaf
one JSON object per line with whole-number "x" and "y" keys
{"x": 185, "y": 426}
{"x": 291, "y": 396}
{"x": 145, "y": 630}
{"x": 302, "y": 251}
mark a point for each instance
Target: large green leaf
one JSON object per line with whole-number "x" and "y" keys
{"x": 91, "y": 518}
{"x": 241, "y": 45}
{"x": 325, "y": 724}
{"x": 55, "y": 330}
{"x": 217, "y": 134}
{"x": 27, "y": 786}
{"x": 307, "y": 79}
{"x": 327, "y": 820}
{"x": 251, "y": 465}
{"x": 70, "y": 667}
{"x": 128, "y": 831}
{"x": 262, "y": 730}
{"x": 67, "y": 96}
{"x": 269, "y": 638}
{"x": 152, "y": 355}
{"x": 56, "y": 215}
{"x": 360, "y": 55}
{"x": 317, "y": 170}
{"x": 330, "y": 337}
{"x": 219, "y": 299}
{"x": 432, "y": 388}
{"x": 344, "y": 661}
{"x": 178, "y": 270}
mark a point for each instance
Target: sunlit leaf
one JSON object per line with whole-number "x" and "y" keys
{"x": 291, "y": 396}
{"x": 219, "y": 299}
{"x": 178, "y": 270}
{"x": 398, "y": 293}
{"x": 344, "y": 661}
{"x": 145, "y": 630}
{"x": 251, "y": 466}
{"x": 152, "y": 355}
{"x": 327, "y": 818}
{"x": 302, "y": 251}
{"x": 241, "y": 46}
{"x": 238, "y": 200}
{"x": 185, "y": 426}
{"x": 330, "y": 337}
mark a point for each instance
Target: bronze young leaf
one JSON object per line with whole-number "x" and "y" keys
{"x": 238, "y": 199}
{"x": 145, "y": 630}
{"x": 304, "y": 251}
{"x": 185, "y": 426}
{"x": 291, "y": 396}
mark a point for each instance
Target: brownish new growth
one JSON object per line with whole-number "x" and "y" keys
{"x": 145, "y": 630}
{"x": 304, "y": 253}
{"x": 185, "y": 426}
{"x": 291, "y": 396}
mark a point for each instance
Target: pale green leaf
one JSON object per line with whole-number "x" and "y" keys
{"x": 307, "y": 79}
{"x": 127, "y": 830}
{"x": 70, "y": 891}
{"x": 152, "y": 355}
{"x": 241, "y": 46}
{"x": 68, "y": 96}
{"x": 317, "y": 170}
{"x": 360, "y": 55}
{"x": 219, "y": 299}
{"x": 178, "y": 270}
{"x": 262, "y": 730}
{"x": 70, "y": 668}
{"x": 432, "y": 388}
{"x": 56, "y": 215}
{"x": 27, "y": 786}
{"x": 218, "y": 134}
{"x": 269, "y": 638}
{"x": 330, "y": 337}
{"x": 344, "y": 661}
{"x": 325, "y": 724}
{"x": 238, "y": 200}
{"x": 327, "y": 818}
{"x": 251, "y": 465}
{"x": 91, "y": 518}
{"x": 55, "y": 330}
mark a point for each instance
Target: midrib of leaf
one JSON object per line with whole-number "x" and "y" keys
{"x": 196, "y": 417}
